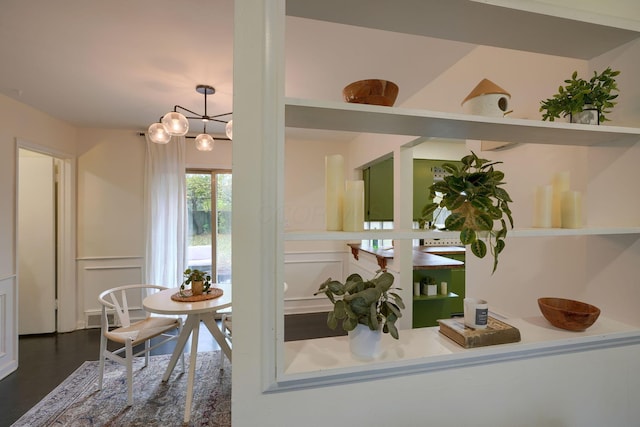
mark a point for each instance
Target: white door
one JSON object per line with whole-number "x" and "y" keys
{"x": 36, "y": 243}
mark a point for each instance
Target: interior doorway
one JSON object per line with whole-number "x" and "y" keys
{"x": 37, "y": 237}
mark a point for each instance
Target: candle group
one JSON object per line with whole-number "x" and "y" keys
{"x": 344, "y": 200}
{"x": 334, "y": 191}
{"x": 353, "y": 213}
{"x": 557, "y": 206}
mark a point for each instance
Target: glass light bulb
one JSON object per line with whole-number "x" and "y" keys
{"x": 204, "y": 142}
{"x": 176, "y": 123}
{"x": 158, "y": 133}
{"x": 229, "y": 129}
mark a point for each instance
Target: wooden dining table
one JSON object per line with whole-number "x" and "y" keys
{"x": 196, "y": 312}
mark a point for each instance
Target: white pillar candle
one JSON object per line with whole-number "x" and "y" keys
{"x": 443, "y": 288}
{"x": 560, "y": 185}
{"x": 334, "y": 191}
{"x": 353, "y": 218}
{"x": 571, "y": 209}
{"x": 543, "y": 206}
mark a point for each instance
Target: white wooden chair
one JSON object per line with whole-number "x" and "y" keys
{"x": 128, "y": 333}
{"x": 225, "y": 327}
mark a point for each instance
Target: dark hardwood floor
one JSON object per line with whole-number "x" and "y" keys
{"x": 46, "y": 360}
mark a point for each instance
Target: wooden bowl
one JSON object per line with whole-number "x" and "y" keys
{"x": 371, "y": 91}
{"x": 568, "y": 314}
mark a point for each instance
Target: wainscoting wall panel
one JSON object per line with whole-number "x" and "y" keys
{"x": 304, "y": 272}
{"x": 99, "y": 274}
{"x": 8, "y": 327}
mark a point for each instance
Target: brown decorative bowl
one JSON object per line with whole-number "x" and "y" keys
{"x": 371, "y": 91}
{"x": 568, "y": 314}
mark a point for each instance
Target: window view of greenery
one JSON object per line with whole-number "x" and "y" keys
{"x": 209, "y": 196}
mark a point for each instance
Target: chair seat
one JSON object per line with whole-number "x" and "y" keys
{"x": 142, "y": 330}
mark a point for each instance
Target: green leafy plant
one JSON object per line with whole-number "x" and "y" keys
{"x": 473, "y": 193}
{"x": 370, "y": 303}
{"x": 196, "y": 275}
{"x": 572, "y": 98}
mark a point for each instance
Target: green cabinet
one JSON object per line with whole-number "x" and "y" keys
{"x": 378, "y": 187}
{"x": 378, "y": 191}
{"x": 428, "y": 309}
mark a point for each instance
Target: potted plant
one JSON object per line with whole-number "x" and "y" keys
{"x": 429, "y": 286}
{"x": 473, "y": 193}
{"x": 581, "y": 95}
{"x": 200, "y": 281}
{"x": 361, "y": 306}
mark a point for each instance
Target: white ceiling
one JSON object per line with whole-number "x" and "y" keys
{"x": 123, "y": 64}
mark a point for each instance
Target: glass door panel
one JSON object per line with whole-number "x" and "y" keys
{"x": 209, "y": 216}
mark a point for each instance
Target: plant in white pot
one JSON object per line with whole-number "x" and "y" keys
{"x": 595, "y": 96}
{"x": 361, "y": 306}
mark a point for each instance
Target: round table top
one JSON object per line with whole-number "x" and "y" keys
{"x": 162, "y": 303}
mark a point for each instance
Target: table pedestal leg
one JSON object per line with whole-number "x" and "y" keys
{"x": 211, "y": 324}
{"x": 182, "y": 341}
{"x": 192, "y": 368}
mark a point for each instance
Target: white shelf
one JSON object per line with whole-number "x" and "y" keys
{"x": 328, "y": 360}
{"x": 330, "y": 115}
{"x": 541, "y": 28}
{"x": 312, "y": 235}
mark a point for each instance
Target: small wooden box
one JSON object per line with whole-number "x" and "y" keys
{"x": 496, "y": 332}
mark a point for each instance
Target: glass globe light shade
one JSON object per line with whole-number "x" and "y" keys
{"x": 158, "y": 133}
{"x": 204, "y": 142}
{"x": 176, "y": 123}
{"x": 229, "y": 129}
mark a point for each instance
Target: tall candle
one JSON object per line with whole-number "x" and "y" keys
{"x": 560, "y": 185}
{"x": 571, "y": 209}
{"x": 334, "y": 191}
{"x": 543, "y": 206}
{"x": 353, "y": 217}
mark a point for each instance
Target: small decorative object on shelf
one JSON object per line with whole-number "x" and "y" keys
{"x": 556, "y": 205}
{"x": 496, "y": 332}
{"x": 568, "y": 314}
{"x": 200, "y": 281}
{"x": 443, "y": 288}
{"x": 371, "y": 91}
{"x": 476, "y": 313}
{"x": 583, "y": 101}
{"x": 474, "y": 195}
{"x": 371, "y": 304}
{"x": 487, "y": 99}
{"x": 429, "y": 286}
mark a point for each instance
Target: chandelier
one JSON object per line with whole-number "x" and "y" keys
{"x": 175, "y": 123}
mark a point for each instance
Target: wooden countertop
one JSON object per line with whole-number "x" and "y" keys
{"x": 423, "y": 259}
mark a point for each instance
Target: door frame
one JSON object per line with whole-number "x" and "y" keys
{"x": 66, "y": 319}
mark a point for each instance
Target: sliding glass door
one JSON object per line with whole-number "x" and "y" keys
{"x": 209, "y": 222}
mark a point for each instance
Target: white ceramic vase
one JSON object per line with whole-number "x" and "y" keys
{"x": 365, "y": 343}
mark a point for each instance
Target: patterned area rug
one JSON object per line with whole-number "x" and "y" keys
{"x": 77, "y": 402}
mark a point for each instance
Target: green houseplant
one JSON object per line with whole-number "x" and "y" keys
{"x": 473, "y": 193}
{"x": 369, "y": 303}
{"x": 200, "y": 281}
{"x": 579, "y": 94}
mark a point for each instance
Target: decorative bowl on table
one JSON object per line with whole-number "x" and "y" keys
{"x": 568, "y": 314}
{"x": 371, "y": 91}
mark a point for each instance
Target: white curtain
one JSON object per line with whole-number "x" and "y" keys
{"x": 165, "y": 209}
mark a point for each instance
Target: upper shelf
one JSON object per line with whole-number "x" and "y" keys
{"x": 543, "y": 28}
{"x": 330, "y": 115}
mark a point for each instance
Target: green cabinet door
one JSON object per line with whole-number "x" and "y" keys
{"x": 378, "y": 191}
